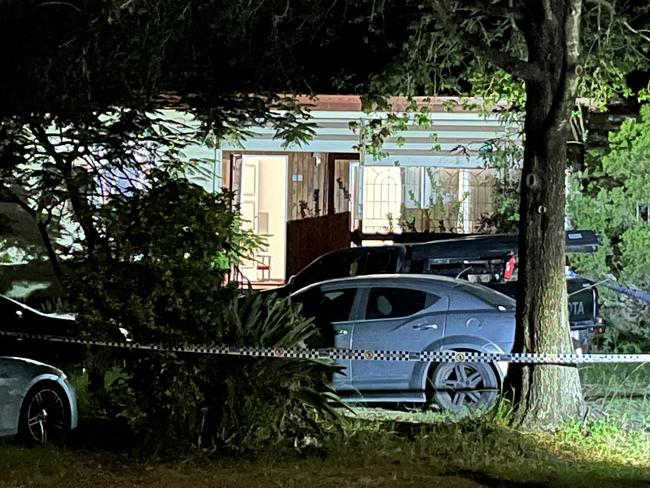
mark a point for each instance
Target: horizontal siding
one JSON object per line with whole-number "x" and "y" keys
{"x": 430, "y": 161}
{"x": 438, "y": 146}
{"x": 453, "y": 140}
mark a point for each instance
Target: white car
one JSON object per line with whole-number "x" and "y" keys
{"x": 37, "y": 402}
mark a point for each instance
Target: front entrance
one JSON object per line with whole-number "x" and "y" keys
{"x": 299, "y": 202}
{"x": 263, "y": 204}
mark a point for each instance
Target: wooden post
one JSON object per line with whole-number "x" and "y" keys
{"x": 330, "y": 184}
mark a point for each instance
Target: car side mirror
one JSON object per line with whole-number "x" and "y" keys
{"x": 19, "y": 314}
{"x": 291, "y": 279}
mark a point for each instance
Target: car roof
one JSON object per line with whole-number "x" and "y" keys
{"x": 394, "y": 279}
{"x": 495, "y": 245}
{"x": 358, "y": 250}
{"x": 61, "y": 316}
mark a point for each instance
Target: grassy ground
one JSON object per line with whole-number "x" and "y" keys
{"x": 620, "y": 392}
{"x": 472, "y": 452}
{"x": 386, "y": 448}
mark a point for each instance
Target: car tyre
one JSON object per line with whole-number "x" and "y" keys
{"x": 44, "y": 415}
{"x": 461, "y": 387}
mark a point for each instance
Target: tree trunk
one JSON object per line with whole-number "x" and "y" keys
{"x": 545, "y": 395}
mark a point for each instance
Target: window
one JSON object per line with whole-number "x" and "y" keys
{"x": 326, "y": 306}
{"x": 382, "y": 198}
{"x": 389, "y": 303}
{"x": 380, "y": 261}
{"x": 310, "y": 301}
{"x": 488, "y": 296}
{"x": 336, "y": 305}
{"x": 411, "y": 187}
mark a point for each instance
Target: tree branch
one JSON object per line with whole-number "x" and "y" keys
{"x": 639, "y": 32}
{"x": 12, "y": 196}
{"x": 80, "y": 207}
{"x": 517, "y": 67}
{"x": 494, "y": 10}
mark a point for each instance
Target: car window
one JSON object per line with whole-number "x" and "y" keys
{"x": 379, "y": 261}
{"x": 326, "y": 306}
{"x": 337, "y": 304}
{"x": 488, "y": 296}
{"x": 388, "y": 303}
{"x": 12, "y": 311}
{"x": 310, "y": 301}
{"x": 7, "y": 306}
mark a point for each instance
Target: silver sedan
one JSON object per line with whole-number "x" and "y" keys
{"x": 413, "y": 313}
{"x": 37, "y": 402}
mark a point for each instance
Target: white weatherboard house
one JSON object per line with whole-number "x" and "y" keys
{"x": 291, "y": 193}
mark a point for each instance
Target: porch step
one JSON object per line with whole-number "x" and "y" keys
{"x": 265, "y": 284}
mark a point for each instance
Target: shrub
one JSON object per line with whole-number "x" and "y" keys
{"x": 160, "y": 275}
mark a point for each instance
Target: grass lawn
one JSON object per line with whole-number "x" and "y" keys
{"x": 620, "y": 392}
{"x": 471, "y": 452}
{"x": 387, "y": 448}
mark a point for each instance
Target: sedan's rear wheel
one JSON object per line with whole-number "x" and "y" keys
{"x": 461, "y": 387}
{"x": 44, "y": 415}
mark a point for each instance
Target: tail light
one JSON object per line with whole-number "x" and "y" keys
{"x": 509, "y": 267}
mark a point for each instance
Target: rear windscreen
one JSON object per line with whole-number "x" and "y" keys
{"x": 486, "y": 295}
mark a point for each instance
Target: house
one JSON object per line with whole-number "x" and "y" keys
{"x": 306, "y": 199}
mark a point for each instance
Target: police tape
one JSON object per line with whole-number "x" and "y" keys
{"x": 351, "y": 354}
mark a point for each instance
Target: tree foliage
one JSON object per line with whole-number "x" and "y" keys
{"x": 150, "y": 253}
{"x": 611, "y": 196}
{"x": 61, "y": 173}
{"x": 76, "y": 60}
{"x": 504, "y": 156}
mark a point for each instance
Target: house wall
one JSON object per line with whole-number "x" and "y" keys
{"x": 306, "y": 185}
{"x": 451, "y": 139}
{"x": 342, "y": 189}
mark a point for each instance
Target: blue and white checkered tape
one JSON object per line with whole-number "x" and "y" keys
{"x": 351, "y": 354}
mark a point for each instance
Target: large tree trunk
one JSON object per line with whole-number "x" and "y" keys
{"x": 546, "y": 395}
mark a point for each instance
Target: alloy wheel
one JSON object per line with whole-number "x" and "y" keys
{"x": 461, "y": 387}
{"x": 45, "y": 416}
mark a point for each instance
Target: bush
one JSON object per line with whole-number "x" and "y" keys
{"x": 265, "y": 403}
{"x": 160, "y": 276}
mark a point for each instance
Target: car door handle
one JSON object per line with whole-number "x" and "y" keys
{"x": 342, "y": 332}
{"x": 425, "y": 327}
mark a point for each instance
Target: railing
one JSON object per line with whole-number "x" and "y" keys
{"x": 236, "y": 276}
